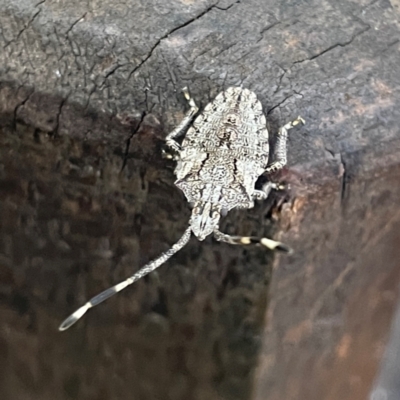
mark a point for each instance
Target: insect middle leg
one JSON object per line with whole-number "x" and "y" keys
{"x": 246, "y": 240}
{"x": 178, "y": 131}
{"x": 280, "y": 149}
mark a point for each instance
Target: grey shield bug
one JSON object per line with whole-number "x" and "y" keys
{"x": 218, "y": 163}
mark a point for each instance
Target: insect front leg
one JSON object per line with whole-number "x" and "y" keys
{"x": 179, "y": 130}
{"x": 280, "y": 149}
{"x": 266, "y": 189}
{"x": 246, "y": 240}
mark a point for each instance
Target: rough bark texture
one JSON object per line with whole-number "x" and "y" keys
{"x": 88, "y": 91}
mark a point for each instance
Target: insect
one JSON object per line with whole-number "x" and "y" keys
{"x": 222, "y": 155}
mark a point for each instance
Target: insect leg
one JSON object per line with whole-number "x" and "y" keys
{"x": 266, "y": 189}
{"x": 245, "y": 240}
{"x": 94, "y": 301}
{"x": 178, "y": 131}
{"x": 280, "y": 149}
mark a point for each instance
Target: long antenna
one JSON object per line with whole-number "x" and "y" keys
{"x": 151, "y": 266}
{"x": 244, "y": 240}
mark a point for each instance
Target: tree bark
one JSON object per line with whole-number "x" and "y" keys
{"x": 88, "y": 92}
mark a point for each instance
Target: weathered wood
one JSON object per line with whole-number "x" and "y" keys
{"x": 88, "y": 91}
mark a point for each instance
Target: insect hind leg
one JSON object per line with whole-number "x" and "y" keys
{"x": 280, "y": 149}
{"x": 246, "y": 240}
{"x": 187, "y": 119}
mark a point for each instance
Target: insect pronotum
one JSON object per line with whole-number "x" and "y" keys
{"x": 221, "y": 156}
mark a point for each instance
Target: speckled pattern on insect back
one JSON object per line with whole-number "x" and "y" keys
{"x": 225, "y": 151}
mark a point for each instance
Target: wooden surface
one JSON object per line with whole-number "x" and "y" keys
{"x": 88, "y": 91}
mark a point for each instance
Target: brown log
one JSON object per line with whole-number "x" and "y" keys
{"x": 88, "y": 92}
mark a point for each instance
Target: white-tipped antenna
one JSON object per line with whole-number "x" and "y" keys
{"x": 245, "y": 240}
{"x": 94, "y": 301}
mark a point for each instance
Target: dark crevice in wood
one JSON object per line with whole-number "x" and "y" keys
{"x": 128, "y": 141}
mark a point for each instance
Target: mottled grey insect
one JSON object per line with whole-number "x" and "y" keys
{"x": 221, "y": 157}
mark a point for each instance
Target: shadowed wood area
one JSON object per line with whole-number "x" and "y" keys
{"x": 88, "y": 92}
